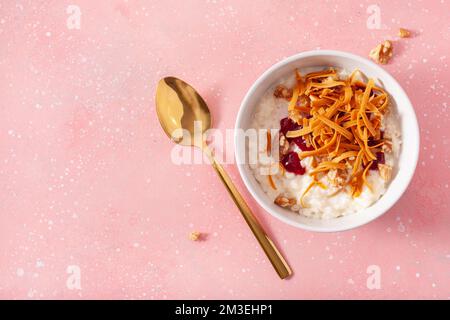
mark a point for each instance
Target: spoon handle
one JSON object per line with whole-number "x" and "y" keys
{"x": 274, "y": 255}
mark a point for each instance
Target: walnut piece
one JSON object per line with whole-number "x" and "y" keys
{"x": 295, "y": 115}
{"x": 387, "y": 146}
{"x": 284, "y": 145}
{"x": 382, "y": 52}
{"x": 337, "y": 178}
{"x": 282, "y": 92}
{"x": 385, "y": 171}
{"x": 195, "y": 236}
{"x": 285, "y": 202}
{"x": 404, "y": 33}
{"x": 304, "y": 101}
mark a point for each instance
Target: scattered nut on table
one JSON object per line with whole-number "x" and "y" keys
{"x": 382, "y": 53}
{"x": 404, "y": 33}
{"x": 195, "y": 236}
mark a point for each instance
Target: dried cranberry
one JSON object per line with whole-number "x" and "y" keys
{"x": 380, "y": 159}
{"x": 300, "y": 142}
{"x": 291, "y": 162}
{"x": 371, "y": 142}
{"x": 287, "y": 124}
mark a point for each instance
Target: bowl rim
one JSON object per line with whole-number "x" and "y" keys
{"x": 413, "y": 153}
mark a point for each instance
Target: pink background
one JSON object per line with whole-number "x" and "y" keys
{"x": 85, "y": 171}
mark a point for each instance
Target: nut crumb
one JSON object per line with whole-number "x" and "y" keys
{"x": 285, "y": 202}
{"x": 284, "y": 145}
{"x": 385, "y": 171}
{"x": 295, "y": 115}
{"x": 382, "y": 53}
{"x": 282, "y": 92}
{"x": 195, "y": 236}
{"x": 404, "y": 33}
{"x": 337, "y": 178}
{"x": 387, "y": 146}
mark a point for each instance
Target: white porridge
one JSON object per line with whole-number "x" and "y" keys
{"x": 352, "y": 159}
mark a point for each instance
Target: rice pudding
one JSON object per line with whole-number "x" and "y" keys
{"x": 328, "y": 142}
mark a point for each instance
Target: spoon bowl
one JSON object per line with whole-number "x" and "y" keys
{"x": 182, "y": 112}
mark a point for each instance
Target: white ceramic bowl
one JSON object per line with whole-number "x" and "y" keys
{"x": 409, "y": 129}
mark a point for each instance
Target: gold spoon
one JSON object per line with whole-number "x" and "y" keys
{"x": 178, "y": 105}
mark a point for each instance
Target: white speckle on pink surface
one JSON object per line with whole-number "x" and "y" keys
{"x": 20, "y": 272}
{"x": 39, "y": 264}
{"x": 31, "y": 293}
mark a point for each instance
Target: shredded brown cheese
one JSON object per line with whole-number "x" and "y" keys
{"x": 269, "y": 142}
{"x": 341, "y": 119}
{"x": 271, "y": 182}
